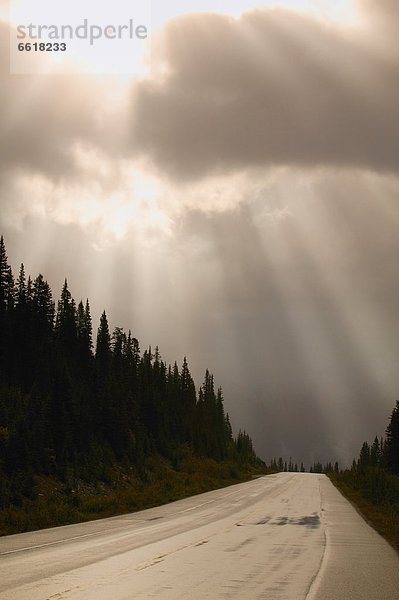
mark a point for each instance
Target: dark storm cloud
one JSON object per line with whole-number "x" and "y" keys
{"x": 273, "y": 87}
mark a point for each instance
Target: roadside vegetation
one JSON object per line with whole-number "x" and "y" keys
{"x": 54, "y": 502}
{"x": 372, "y": 483}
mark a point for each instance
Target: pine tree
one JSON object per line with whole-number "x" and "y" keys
{"x": 20, "y": 289}
{"x": 6, "y": 308}
{"x": 66, "y": 325}
{"x": 375, "y": 453}
{"x": 245, "y": 449}
{"x": 392, "y": 441}
{"x": 4, "y": 270}
{"x": 175, "y": 409}
{"x": 103, "y": 343}
{"x": 364, "y": 458}
{"x": 84, "y": 333}
{"x": 6, "y": 281}
{"x": 188, "y": 402}
{"x": 208, "y": 417}
{"x": 22, "y": 343}
{"x": 43, "y": 307}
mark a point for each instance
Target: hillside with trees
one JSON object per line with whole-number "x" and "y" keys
{"x": 84, "y": 416}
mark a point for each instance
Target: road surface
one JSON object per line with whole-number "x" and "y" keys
{"x": 290, "y": 536}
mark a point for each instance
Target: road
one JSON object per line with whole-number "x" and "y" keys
{"x": 290, "y": 536}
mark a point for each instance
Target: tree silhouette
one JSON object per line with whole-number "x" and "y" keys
{"x": 392, "y": 441}
{"x": 66, "y": 409}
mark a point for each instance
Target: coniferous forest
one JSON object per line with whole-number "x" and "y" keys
{"x": 79, "y": 409}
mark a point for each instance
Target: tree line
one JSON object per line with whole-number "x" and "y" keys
{"x": 72, "y": 402}
{"x": 375, "y": 474}
{"x": 283, "y": 466}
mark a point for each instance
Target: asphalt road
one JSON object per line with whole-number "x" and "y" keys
{"x": 281, "y": 537}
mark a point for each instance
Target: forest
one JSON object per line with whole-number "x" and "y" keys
{"x": 78, "y": 410}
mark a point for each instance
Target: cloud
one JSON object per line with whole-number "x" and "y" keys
{"x": 273, "y": 87}
{"x": 46, "y": 119}
{"x": 385, "y": 10}
{"x": 61, "y": 148}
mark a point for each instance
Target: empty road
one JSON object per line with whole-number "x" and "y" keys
{"x": 290, "y": 536}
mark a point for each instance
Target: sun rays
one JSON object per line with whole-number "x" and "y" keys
{"x": 235, "y": 201}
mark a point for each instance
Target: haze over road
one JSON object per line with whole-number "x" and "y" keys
{"x": 289, "y": 536}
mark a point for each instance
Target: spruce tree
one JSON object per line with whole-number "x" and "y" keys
{"x": 392, "y": 441}
{"x": 43, "y": 307}
{"x": 66, "y": 322}
{"x": 6, "y": 306}
{"x": 6, "y": 281}
{"x": 103, "y": 343}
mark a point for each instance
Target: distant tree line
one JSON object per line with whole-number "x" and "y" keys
{"x": 71, "y": 402}
{"x": 290, "y": 467}
{"x": 282, "y": 466}
{"x": 326, "y": 468}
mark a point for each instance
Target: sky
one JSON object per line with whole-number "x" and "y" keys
{"x": 236, "y": 202}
